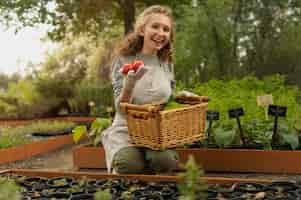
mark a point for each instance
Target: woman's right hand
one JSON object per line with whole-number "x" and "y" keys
{"x": 132, "y": 77}
{"x": 135, "y": 76}
{"x": 130, "y": 82}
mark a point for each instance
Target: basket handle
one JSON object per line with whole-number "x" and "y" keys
{"x": 146, "y": 108}
{"x": 196, "y": 99}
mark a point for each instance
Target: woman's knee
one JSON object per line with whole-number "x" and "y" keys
{"x": 129, "y": 160}
{"x": 162, "y": 161}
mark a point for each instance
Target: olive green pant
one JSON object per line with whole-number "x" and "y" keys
{"x": 139, "y": 160}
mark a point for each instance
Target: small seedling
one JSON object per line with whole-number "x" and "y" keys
{"x": 236, "y": 113}
{"x": 103, "y": 195}
{"x": 193, "y": 185}
{"x": 276, "y": 111}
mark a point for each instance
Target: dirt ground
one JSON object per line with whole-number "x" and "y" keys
{"x": 57, "y": 160}
{"x": 61, "y": 160}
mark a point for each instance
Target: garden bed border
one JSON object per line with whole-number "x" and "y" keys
{"x": 154, "y": 178}
{"x": 212, "y": 160}
{"x": 13, "y": 154}
{"x": 22, "y": 152}
{"x": 23, "y": 122}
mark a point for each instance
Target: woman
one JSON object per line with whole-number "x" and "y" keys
{"x": 150, "y": 42}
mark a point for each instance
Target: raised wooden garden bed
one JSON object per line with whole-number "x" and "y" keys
{"x": 22, "y": 122}
{"x": 224, "y": 160}
{"x": 35, "y": 148}
{"x": 86, "y": 157}
{"x": 245, "y": 160}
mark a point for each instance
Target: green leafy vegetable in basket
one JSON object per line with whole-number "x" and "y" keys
{"x": 172, "y": 105}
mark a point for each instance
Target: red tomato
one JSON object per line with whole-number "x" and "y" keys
{"x": 126, "y": 68}
{"x": 137, "y": 64}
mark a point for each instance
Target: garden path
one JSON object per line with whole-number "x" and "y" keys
{"x": 56, "y": 160}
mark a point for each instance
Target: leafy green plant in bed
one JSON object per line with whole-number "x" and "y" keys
{"x": 98, "y": 125}
{"x": 48, "y": 126}
{"x": 224, "y": 134}
{"x": 260, "y": 132}
{"x": 13, "y": 136}
{"x": 225, "y": 95}
{"x": 288, "y": 135}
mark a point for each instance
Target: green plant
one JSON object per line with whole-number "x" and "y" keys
{"x": 260, "y": 132}
{"x": 16, "y": 136}
{"x": 91, "y": 98}
{"x": 224, "y": 133}
{"x": 103, "y": 195}
{"x": 225, "y": 95}
{"x": 9, "y": 189}
{"x": 48, "y": 126}
{"x": 13, "y": 136}
{"x": 193, "y": 186}
{"x": 21, "y": 99}
{"x": 256, "y": 132}
{"x": 94, "y": 134}
{"x": 172, "y": 105}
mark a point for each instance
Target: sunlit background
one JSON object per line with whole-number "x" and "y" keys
{"x": 19, "y": 49}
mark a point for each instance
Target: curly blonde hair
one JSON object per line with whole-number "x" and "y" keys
{"x": 133, "y": 42}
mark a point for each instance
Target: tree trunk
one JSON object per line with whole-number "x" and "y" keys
{"x": 238, "y": 12}
{"x": 128, "y": 9}
{"x": 217, "y": 44}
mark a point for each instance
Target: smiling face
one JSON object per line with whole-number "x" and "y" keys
{"x": 156, "y": 32}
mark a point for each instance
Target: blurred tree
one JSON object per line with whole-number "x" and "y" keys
{"x": 232, "y": 38}
{"x": 92, "y": 16}
{"x": 5, "y": 79}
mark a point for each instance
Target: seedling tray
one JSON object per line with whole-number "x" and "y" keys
{"x": 79, "y": 185}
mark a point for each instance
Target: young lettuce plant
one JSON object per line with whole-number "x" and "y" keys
{"x": 288, "y": 135}
{"x": 224, "y": 134}
{"x": 103, "y": 195}
{"x": 261, "y": 131}
{"x": 98, "y": 125}
{"x": 9, "y": 189}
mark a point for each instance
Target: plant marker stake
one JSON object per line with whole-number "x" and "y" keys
{"x": 236, "y": 113}
{"x": 276, "y": 111}
{"x": 211, "y": 116}
{"x": 264, "y": 101}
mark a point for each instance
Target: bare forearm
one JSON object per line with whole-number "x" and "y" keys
{"x": 126, "y": 95}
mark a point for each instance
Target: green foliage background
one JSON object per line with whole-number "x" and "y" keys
{"x": 215, "y": 40}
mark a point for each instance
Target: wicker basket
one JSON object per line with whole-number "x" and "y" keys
{"x": 150, "y": 126}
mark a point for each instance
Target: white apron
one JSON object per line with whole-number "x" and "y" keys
{"x": 154, "y": 86}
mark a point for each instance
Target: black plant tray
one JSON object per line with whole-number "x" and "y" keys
{"x": 42, "y": 184}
